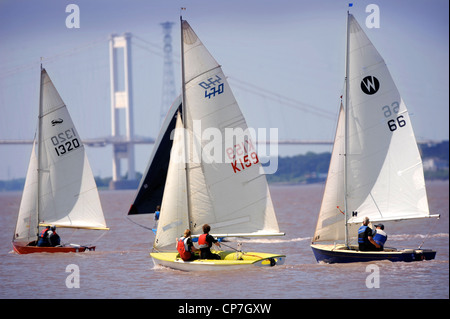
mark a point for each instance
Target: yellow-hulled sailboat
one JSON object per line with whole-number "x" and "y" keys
{"x": 219, "y": 181}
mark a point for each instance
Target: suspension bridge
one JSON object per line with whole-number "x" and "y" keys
{"x": 122, "y": 138}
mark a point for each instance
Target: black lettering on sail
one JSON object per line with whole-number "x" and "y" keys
{"x": 370, "y": 85}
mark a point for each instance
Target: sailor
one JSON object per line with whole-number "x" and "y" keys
{"x": 365, "y": 237}
{"x": 185, "y": 246}
{"x": 53, "y": 238}
{"x": 380, "y": 236}
{"x": 205, "y": 242}
{"x": 43, "y": 237}
{"x": 157, "y": 212}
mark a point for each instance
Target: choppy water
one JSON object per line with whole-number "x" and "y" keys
{"x": 121, "y": 266}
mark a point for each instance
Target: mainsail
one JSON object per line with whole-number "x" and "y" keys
{"x": 375, "y": 160}
{"x": 231, "y": 194}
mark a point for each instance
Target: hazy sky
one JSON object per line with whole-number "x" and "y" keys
{"x": 285, "y": 61}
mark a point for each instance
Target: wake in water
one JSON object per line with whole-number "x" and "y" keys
{"x": 420, "y": 236}
{"x": 267, "y": 241}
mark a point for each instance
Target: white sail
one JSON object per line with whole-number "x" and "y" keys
{"x": 226, "y": 186}
{"x": 68, "y": 195}
{"x": 174, "y": 211}
{"x": 27, "y": 220}
{"x": 381, "y": 174}
{"x": 384, "y": 169}
{"x": 331, "y": 222}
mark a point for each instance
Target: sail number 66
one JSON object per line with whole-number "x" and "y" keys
{"x": 394, "y": 123}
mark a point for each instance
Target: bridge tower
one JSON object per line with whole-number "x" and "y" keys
{"x": 122, "y": 110}
{"x": 168, "y": 89}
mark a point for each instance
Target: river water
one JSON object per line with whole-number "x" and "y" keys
{"x": 121, "y": 266}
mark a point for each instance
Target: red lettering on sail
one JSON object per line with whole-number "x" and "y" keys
{"x": 235, "y": 168}
{"x": 241, "y": 156}
{"x": 245, "y": 162}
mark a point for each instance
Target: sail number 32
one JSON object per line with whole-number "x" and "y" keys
{"x": 65, "y": 142}
{"x": 399, "y": 121}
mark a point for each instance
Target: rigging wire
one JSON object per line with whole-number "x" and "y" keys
{"x": 52, "y": 58}
{"x": 157, "y": 50}
{"x": 426, "y": 237}
{"x": 251, "y": 88}
{"x": 140, "y": 225}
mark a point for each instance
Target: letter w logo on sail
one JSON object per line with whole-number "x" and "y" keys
{"x": 370, "y": 85}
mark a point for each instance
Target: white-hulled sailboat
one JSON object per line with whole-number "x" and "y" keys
{"x": 59, "y": 189}
{"x": 375, "y": 168}
{"x": 232, "y": 196}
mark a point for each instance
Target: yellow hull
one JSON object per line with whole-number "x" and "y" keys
{"x": 229, "y": 260}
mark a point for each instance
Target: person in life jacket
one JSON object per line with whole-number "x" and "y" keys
{"x": 365, "y": 237}
{"x": 380, "y": 236}
{"x": 157, "y": 212}
{"x": 205, "y": 242}
{"x": 43, "y": 238}
{"x": 53, "y": 238}
{"x": 185, "y": 246}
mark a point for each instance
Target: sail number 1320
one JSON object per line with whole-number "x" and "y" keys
{"x": 65, "y": 142}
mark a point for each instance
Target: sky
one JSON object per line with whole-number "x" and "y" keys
{"x": 285, "y": 61}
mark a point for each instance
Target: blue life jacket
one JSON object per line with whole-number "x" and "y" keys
{"x": 362, "y": 239}
{"x": 380, "y": 237}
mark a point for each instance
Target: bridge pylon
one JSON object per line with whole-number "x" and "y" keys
{"x": 122, "y": 106}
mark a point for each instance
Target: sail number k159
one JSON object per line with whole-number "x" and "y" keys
{"x": 388, "y": 111}
{"x": 241, "y": 156}
{"x": 65, "y": 142}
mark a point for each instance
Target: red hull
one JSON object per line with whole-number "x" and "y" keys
{"x": 22, "y": 248}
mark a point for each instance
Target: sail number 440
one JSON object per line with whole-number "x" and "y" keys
{"x": 399, "y": 121}
{"x": 65, "y": 142}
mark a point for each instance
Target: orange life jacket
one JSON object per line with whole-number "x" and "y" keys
{"x": 202, "y": 241}
{"x": 183, "y": 249}
{"x": 44, "y": 232}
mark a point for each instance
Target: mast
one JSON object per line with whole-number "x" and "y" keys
{"x": 184, "y": 121}
{"x": 346, "y": 130}
{"x": 39, "y": 139}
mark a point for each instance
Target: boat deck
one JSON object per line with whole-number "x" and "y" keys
{"x": 229, "y": 260}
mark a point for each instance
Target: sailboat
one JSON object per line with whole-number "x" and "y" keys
{"x": 197, "y": 181}
{"x": 375, "y": 168}
{"x": 60, "y": 189}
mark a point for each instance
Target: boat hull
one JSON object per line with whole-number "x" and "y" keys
{"x": 340, "y": 254}
{"x": 230, "y": 260}
{"x": 22, "y": 248}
